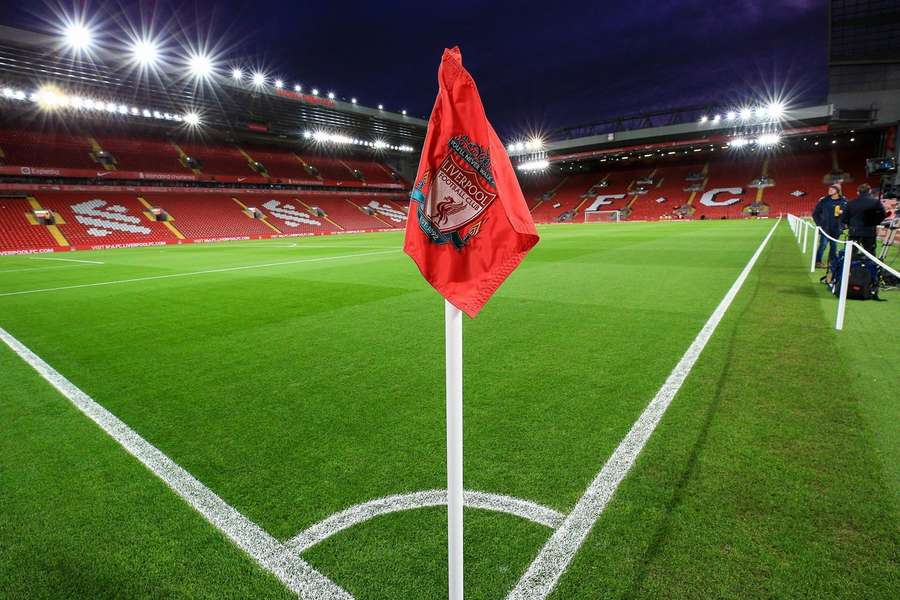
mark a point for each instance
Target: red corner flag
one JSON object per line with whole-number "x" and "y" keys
{"x": 471, "y": 227}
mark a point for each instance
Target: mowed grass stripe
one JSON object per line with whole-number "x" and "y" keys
{"x": 763, "y": 480}
{"x": 194, "y": 273}
{"x": 294, "y": 393}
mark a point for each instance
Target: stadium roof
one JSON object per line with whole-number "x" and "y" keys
{"x": 30, "y": 61}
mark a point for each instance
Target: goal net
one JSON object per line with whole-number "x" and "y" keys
{"x": 601, "y": 216}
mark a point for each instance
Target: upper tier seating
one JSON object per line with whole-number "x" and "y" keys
{"x": 280, "y": 164}
{"x": 22, "y": 147}
{"x": 142, "y": 154}
{"x": 218, "y": 159}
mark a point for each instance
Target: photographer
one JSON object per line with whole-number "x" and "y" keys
{"x": 862, "y": 215}
{"x": 827, "y": 215}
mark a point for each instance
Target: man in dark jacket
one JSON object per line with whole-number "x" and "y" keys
{"x": 827, "y": 215}
{"x": 863, "y": 215}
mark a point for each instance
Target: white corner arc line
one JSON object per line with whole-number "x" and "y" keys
{"x": 74, "y": 260}
{"x": 275, "y": 557}
{"x": 365, "y": 511}
{"x": 554, "y": 558}
{"x": 205, "y": 272}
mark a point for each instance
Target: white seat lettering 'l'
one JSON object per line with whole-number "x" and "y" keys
{"x": 105, "y": 222}
{"x": 387, "y": 211}
{"x": 289, "y": 214}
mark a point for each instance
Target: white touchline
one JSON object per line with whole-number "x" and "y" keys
{"x": 361, "y": 513}
{"x": 296, "y": 574}
{"x": 554, "y": 558}
{"x": 47, "y": 268}
{"x": 74, "y": 260}
{"x": 206, "y": 272}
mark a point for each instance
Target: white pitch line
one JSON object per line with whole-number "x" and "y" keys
{"x": 22, "y": 270}
{"x": 556, "y": 555}
{"x": 190, "y": 273}
{"x": 360, "y": 513}
{"x": 74, "y": 260}
{"x": 296, "y": 574}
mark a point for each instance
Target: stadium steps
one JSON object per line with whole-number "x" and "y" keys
{"x": 96, "y": 149}
{"x": 256, "y": 166}
{"x": 310, "y": 210}
{"x": 208, "y": 216}
{"x": 264, "y": 220}
{"x": 104, "y": 218}
{"x": 20, "y": 231}
{"x": 305, "y": 165}
{"x": 168, "y": 224}
{"x": 183, "y": 159}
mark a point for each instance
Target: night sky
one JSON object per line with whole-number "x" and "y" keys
{"x": 539, "y": 65}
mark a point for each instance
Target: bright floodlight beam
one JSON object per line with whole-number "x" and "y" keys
{"x": 192, "y": 119}
{"x": 78, "y": 37}
{"x": 145, "y": 53}
{"x": 279, "y": 84}
{"x": 775, "y": 110}
{"x": 258, "y": 78}
{"x": 200, "y": 66}
{"x": 237, "y": 74}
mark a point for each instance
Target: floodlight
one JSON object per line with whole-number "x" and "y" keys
{"x": 717, "y": 118}
{"x": 200, "y": 65}
{"x": 704, "y": 119}
{"x": 192, "y": 119}
{"x": 731, "y": 115}
{"x": 768, "y": 139}
{"x": 279, "y": 83}
{"x": 237, "y": 74}
{"x": 738, "y": 142}
{"x": 403, "y": 112}
{"x": 145, "y": 53}
{"x": 381, "y": 107}
{"x": 775, "y": 110}
{"x": 78, "y": 37}
{"x": 297, "y": 87}
{"x": 315, "y": 91}
{"x": 331, "y": 95}
{"x": 258, "y": 78}
{"x": 746, "y": 113}
{"x": 353, "y": 100}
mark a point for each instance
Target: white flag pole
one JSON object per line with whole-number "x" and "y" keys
{"x": 845, "y": 275}
{"x": 453, "y": 333}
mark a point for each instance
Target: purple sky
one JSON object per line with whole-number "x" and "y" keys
{"x": 539, "y": 65}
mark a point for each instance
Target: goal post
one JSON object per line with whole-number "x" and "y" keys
{"x": 602, "y": 216}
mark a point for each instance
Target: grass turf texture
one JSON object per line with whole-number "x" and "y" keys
{"x": 297, "y": 390}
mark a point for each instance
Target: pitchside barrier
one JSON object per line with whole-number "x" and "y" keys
{"x": 802, "y": 230}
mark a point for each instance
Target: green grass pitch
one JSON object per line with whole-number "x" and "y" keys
{"x": 312, "y": 380}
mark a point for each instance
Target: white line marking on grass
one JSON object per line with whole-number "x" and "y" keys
{"x": 390, "y": 504}
{"x": 272, "y": 555}
{"x": 554, "y": 558}
{"x": 206, "y": 272}
{"x": 74, "y": 260}
{"x": 41, "y": 268}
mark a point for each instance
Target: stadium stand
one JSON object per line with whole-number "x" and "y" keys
{"x": 46, "y": 149}
{"x": 17, "y": 232}
{"x": 100, "y": 218}
{"x": 217, "y": 159}
{"x": 209, "y": 216}
{"x": 142, "y": 153}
